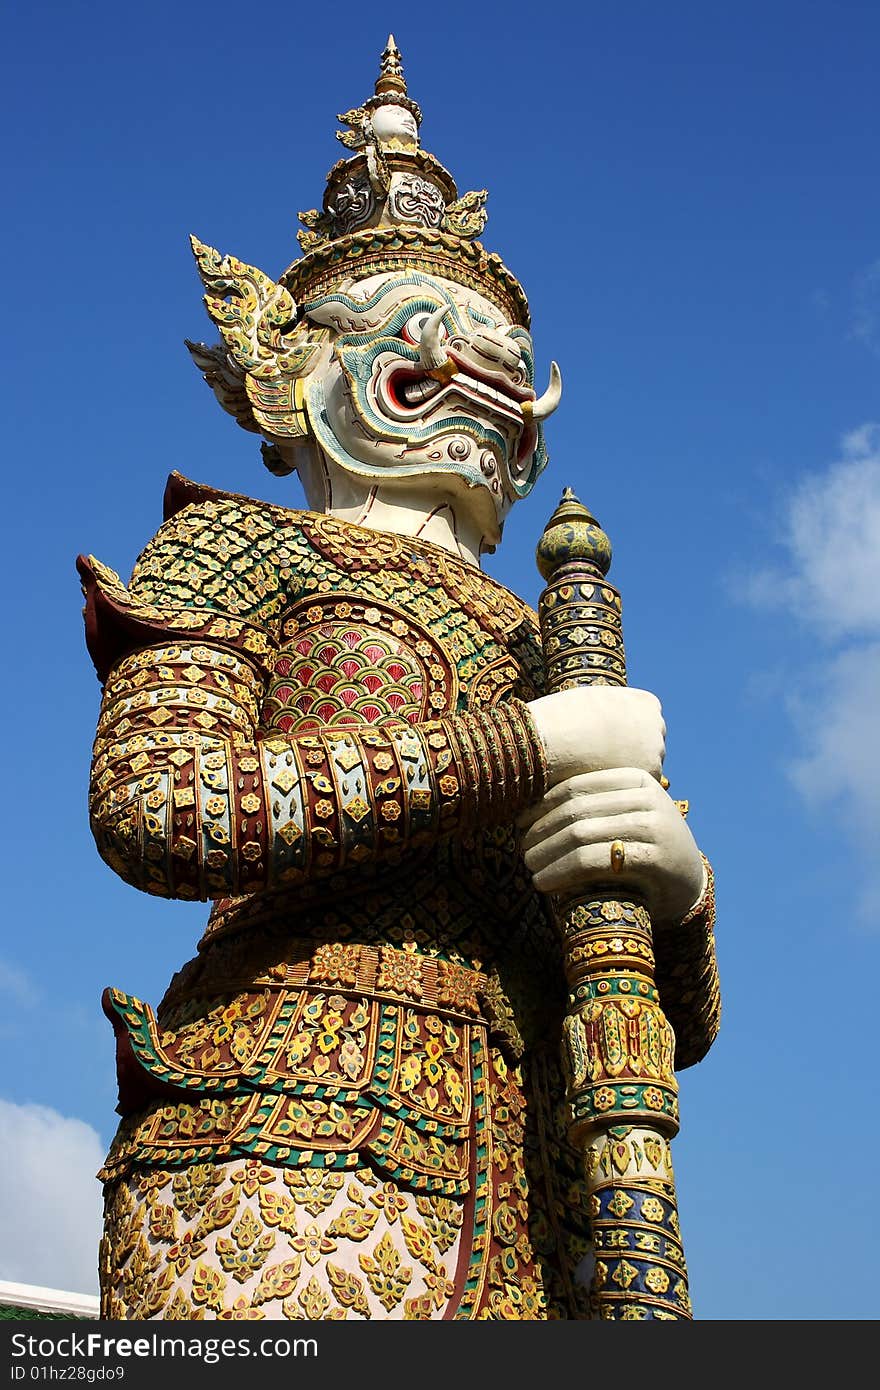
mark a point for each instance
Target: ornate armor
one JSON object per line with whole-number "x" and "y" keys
{"x": 348, "y": 1104}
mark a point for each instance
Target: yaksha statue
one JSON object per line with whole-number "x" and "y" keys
{"x": 351, "y": 1103}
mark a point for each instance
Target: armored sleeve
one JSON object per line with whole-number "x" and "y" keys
{"x": 687, "y": 977}
{"x": 190, "y": 799}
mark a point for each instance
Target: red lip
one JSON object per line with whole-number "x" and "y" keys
{"x": 499, "y": 381}
{"x": 397, "y": 382}
{"x": 404, "y": 377}
{"x": 408, "y": 377}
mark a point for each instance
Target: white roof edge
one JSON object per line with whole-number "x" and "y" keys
{"x": 40, "y": 1300}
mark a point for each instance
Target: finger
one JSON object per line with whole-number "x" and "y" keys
{"x": 606, "y": 780}
{"x": 587, "y": 835}
{"x": 583, "y": 806}
{"x": 582, "y": 868}
{"x": 644, "y": 697}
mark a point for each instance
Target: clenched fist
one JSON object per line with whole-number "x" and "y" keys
{"x": 569, "y": 833}
{"x": 600, "y": 726}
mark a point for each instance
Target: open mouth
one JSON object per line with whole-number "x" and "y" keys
{"x": 410, "y": 389}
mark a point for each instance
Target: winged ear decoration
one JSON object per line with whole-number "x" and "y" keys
{"x": 254, "y": 314}
{"x": 265, "y": 348}
{"x": 467, "y": 217}
{"x": 225, "y": 380}
{"x": 357, "y": 136}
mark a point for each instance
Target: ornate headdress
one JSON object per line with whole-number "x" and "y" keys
{"x": 428, "y": 382}
{"x": 393, "y": 206}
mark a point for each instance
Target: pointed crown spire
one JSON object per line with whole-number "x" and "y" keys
{"x": 392, "y": 205}
{"x": 391, "y": 78}
{"x": 390, "y": 92}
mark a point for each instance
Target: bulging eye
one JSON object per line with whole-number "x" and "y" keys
{"x": 412, "y": 329}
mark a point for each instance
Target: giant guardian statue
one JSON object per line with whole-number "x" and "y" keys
{"x": 354, "y": 1101}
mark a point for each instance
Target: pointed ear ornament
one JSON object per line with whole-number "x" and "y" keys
{"x": 266, "y": 348}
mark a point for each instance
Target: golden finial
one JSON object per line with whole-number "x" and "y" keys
{"x": 572, "y": 533}
{"x": 391, "y": 78}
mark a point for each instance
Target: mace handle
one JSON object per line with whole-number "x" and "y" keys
{"x": 618, "y": 1047}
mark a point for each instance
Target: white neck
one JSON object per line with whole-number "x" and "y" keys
{"x": 425, "y": 508}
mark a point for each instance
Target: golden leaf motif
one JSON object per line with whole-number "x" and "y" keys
{"x": 241, "y": 1044}
{"x": 620, "y": 1156}
{"x": 654, "y": 1150}
{"x": 452, "y": 1085}
{"x": 418, "y": 1309}
{"x": 125, "y": 1236}
{"x": 313, "y": 1301}
{"x": 252, "y": 1176}
{"x": 299, "y": 1049}
{"x": 442, "y": 1218}
{"x": 192, "y": 1189}
{"x": 410, "y": 1074}
{"x": 241, "y": 1264}
{"x": 142, "y": 1264}
{"x": 418, "y": 1241}
{"x": 207, "y": 1286}
{"x": 313, "y": 1244}
{"x": 348, "y": 1289}
{"x": 181, "y": 1310}
{"x": 155, "y": 1296}
{"x": 241, "y": 1311}
{"x": 353, "y": 1224}
{"x": 279, "y": 1281}
{"x": 278, "y": 1210}
{"x": 246, "y": 1229}
{"x": 184, "y": 1251}
{"x": 312, "y": 1189}
{"x": 219, "y": 1211}
{"x": 163, "y": 1222}
{"x": 386, "y": 1277}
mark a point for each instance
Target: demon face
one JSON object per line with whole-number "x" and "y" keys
{"x": 423, "y": 376}
{"x": 391, "y": 379}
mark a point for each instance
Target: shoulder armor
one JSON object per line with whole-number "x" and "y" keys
{"x": 218, "y": 569}
{"x": 181, "y": 492}
{"x": 118, "y": 622}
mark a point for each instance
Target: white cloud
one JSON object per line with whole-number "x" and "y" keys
{"x": 830, "y": 582}
{"x": 830, "y": 532}
{"x": 838, "y": 718}
{"x": 50, "y": 1202}
{"x": 862, "y": 440}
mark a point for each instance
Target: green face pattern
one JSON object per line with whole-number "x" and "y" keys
{"x": 378, "y": 412}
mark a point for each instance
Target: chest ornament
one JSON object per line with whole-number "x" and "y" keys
{"x": 357, "y": 550}
{"x": 354, "y": 663}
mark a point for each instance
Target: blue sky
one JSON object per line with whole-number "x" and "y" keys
{"x": 689, "y": 194}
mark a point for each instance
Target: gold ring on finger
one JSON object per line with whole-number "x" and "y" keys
{"x": 618, "y": 856}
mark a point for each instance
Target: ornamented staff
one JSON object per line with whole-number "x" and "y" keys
{"x": 617, "y": 1045}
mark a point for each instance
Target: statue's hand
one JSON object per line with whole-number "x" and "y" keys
{"x": 569, "y": 833}
{"x": 600, "y": 726}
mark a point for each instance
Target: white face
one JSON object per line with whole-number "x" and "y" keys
{"x": 377, "y": 410}
{"x": 394, "y": 123}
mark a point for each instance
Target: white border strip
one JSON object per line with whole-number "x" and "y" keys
{"x": 40, "y": 1300}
